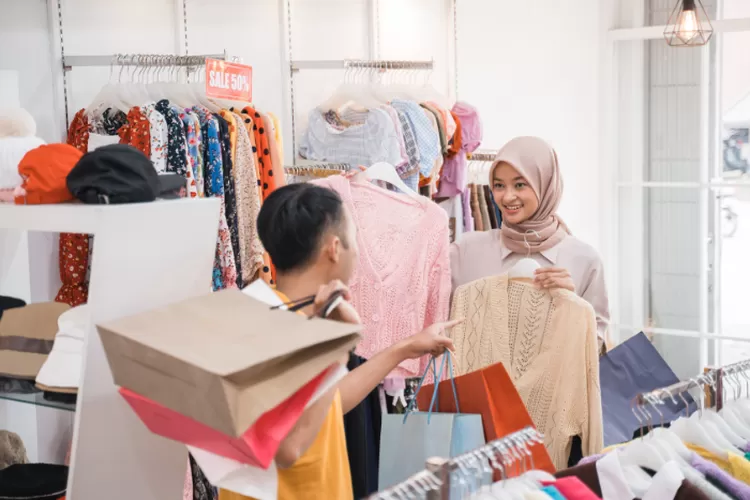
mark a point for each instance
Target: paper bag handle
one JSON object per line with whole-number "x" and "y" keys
{"x": 436, "y": 376}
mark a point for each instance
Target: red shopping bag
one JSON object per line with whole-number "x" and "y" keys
{"x": 256, "y": 447}
{"x": 491, "y": 393}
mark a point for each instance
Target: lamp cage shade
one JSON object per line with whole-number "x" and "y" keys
{"x": 688, "y": 25}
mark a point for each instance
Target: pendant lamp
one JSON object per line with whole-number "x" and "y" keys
{"x": 689, "y": 25}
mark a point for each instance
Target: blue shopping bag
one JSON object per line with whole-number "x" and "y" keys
{"x": 407, "y": 441}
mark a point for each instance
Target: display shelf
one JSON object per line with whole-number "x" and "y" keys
{"x": 37, "y": 399}
{"x": 79, "y": 218}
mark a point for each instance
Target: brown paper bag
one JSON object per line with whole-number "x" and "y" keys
{"x": 222, "y": 359}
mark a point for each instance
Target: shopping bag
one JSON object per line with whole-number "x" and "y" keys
{"x": 633, "y": 367}
{"x": 407, "y": 441}
{"x": 257, "y": 446}
{"x": 223, "y": 359}
{"x": 490, "y": 393}
{"x": 247, "y": 480}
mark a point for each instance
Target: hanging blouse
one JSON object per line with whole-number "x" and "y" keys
{"x": 78, "y": 132}
{"x": 267, "y": 180}
{"x": 229, "y": 117}
{"x": 176, "y": 147}
{"x": 112, "y": 120}
{"x": 404, "y": 160}
{"x": 230, "y": 197}
{"x": 248, "y": 204}
{"x": 265, "y": 272}
{"x": 447, "y": 119}
{"x": 277, "y": 163}
{"x": 159, "y": 137}
{"x": 370, "y": 141}
{"x": 225, "y": 270}
{"x": 192, "y": 142}
{"x": 469, "y": 135}
{"x": 137, "y": 131}
{"x": 409, "y": 172}
{"x": 425, "y": 134}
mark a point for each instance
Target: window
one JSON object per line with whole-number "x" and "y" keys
{"x": 683, "y": 222}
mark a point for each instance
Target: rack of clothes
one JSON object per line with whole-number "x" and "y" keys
{"x": 704, "y": 453}
{"x": 470, "y": 475}
{"x": 382, "y": 113}
{"x": 225, "y": 149}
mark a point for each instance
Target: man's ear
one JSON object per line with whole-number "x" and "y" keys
{"x": 333, "y": 249}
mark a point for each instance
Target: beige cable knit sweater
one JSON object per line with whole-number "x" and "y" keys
{"x": 547, "y": 341}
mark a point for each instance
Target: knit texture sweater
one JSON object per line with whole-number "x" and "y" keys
{"x": 547, "y": 341}
{"x": 402, "y": 280}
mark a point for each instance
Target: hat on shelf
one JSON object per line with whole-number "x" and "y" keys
{"x": 33, "y": 482}
{"x": 12, "y": 450}
{"x": 9, "y": 303}
{"x": 44, "y": 170}
{"x": 120, "y": 173}
{"x": 16, "y": 122}
{"x": 61, "y": 372}
{"x": 26, "y": 338}
{"x": 12, "y": 150}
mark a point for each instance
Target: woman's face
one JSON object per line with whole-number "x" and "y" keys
{"x": 513, "y": 194}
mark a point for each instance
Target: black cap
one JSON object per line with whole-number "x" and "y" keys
{"x": 9, "y": 303}
{"x": 34, "y": 481}
{"x": 117, "y": 173}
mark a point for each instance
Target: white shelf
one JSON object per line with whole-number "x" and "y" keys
{"x": 146, "y": 255}
{"x": 79, "y": 218}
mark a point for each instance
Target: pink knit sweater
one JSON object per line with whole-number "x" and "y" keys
{"x": 402, "y": 282}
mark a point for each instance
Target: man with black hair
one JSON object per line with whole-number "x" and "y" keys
{"x": 311, "y": 239}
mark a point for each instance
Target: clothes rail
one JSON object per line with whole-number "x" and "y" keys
{"x": 139, "y": 60}
{"x": 383, "y": 65}
{"x": 435, "y": 481}
{"x": 316, "y": 169}
{"x": 482, "y": 156}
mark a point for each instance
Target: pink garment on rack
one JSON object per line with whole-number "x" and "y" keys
{"x": 402, "y": 281}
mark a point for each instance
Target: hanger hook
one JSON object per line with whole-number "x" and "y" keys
{"x": 526, "y": 242}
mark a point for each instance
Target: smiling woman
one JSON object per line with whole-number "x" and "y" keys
{"x": 527, "y": 186}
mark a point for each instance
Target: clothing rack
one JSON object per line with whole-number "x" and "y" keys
{"x": 483, "y": 156}
{"x": 141, "y": 60}
{"x": 316, "y": 169}
{"x": 711, "y": 379}
{"x": 435, "y": 481}
{"x": 382, "y": 65}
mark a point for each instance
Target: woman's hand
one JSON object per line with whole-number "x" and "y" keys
{"x": 429, "y": 341}
{"x": 345, "y": 311}
{"x": 549, "y": 278}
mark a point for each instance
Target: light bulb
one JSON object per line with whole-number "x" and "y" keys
{"x": 687, "y": 26}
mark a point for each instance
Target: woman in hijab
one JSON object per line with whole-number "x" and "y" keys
{"x": 527, "y": 187}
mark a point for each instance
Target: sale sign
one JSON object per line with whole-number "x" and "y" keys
{"x": 231, "y": 81}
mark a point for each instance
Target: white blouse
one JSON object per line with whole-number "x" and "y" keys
{"x": 481, "y": 254}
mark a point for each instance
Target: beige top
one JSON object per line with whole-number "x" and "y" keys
{"x": 547, "y": 342}
{"x": 481, "y": 254}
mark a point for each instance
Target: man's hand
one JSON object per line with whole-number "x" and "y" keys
{"x": 549, "y": 278}
{"x": 345, "y": 311}
{"x": 429, "y": 341}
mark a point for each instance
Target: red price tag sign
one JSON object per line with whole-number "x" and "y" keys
{"x": 232, "y": 81}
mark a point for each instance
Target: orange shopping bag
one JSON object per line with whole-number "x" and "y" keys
{"x": 491, "y": 393}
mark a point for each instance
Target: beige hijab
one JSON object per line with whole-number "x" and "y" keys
{"x": 536, "y": 161}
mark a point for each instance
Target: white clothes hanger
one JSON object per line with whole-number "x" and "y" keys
{"x": 732, "y": 410}
{"x": 386, "y": 172}
{"x": 525, "y": 268}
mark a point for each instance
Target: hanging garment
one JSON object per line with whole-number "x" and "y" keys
{"x": 159, "y": 137}
{"x": 176, "y": 145}
{"x": 225, "y": 270}
{"x": 137, "y": 131}
{"x": 483, "y": 208}
{"x": 193, "y": 142}
{"x": 475, "y": 210}
{"x": 396, "y": 296}
{"x": 230, "y": 197}
{"x": 277, "y": 165}
{"x": 278, "y": 136}
{"x": 490, "y": 206}
{"x": 78, "y": 132}
{"x": 248, "y": 205}
{"x": 468, "y": 217}
{"x": 453, "y": 177}
{"x": 426, "y": 137}
{"x": 736, "y": 466}
{"x": 411, "y": 167}
{"x": 455, "y": 210}
{"x": 547, "y": 341}
{"x": 362, "y": 428}
{"x": 374, "y": 140}
{"x": 268, "y": 182}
